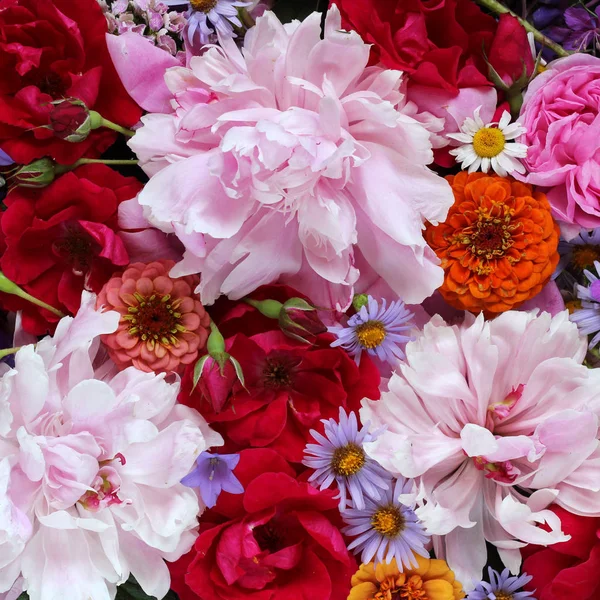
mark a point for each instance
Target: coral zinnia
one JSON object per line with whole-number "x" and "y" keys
{"x": 162, "y": 326}
{"x": 430, "y": 580}
{"x": 498, "y": 245}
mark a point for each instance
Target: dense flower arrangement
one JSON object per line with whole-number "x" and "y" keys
{"x": 299, "y": 305}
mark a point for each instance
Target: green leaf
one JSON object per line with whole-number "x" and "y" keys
{"x": 131, "y": 590}
{"x": 198, "y": 368}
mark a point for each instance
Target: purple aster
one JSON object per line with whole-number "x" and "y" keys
{"x": 339, "y": 456}
{"x": 588, "y": 316}
{"x": 580, "y": 252}
{"x": 214, "y": 473}
{"x": 386, "y": 529}
{"x": 378, "y": 330}
{"x": 208, "y": 17}
{"x": 502, "y": 586}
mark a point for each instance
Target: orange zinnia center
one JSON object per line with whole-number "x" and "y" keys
{"x": 400, "y": 588}
{"x": 155, "y": 319}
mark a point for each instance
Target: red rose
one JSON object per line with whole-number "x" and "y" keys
{"x": 278, "y": 540}
{"x": 61, "y": 239}
{"x": 510, "y": 54}
{"x": 289, "y": 385}
{"x": 570, "y": 569}
{"x": 49, "y": 51}
{"x": 439, "y": 42}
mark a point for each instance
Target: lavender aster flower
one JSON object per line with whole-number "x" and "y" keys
{"x": 580, "y": 252}
{"x": 207, "y": 17}
{"x": 214, "y": 473}
{"x": 588, "y": 316}
{"x": 378, "y": 330}
{"x": 502, "y": 586}
{"x": 339, "y": 456}
{"x": 387, "y": 529}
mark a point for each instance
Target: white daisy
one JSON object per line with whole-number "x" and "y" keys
{"x": 486, "y": 145}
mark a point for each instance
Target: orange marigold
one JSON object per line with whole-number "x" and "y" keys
{"x": 498, "y": 246}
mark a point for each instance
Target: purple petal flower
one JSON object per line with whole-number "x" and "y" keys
{"x": 378, "y": 330}
{"x": 5, "y": 159}
{"x": 214, "y": 473}
{"x": 386, "y": 529}
{"x": 339, "y": 456}
{"x": 501, "y": 585}
{"x": 580, "y": 252}
{"x": 588, "y": 316}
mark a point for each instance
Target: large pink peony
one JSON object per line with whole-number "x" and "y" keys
{"x": 90, "y": 468}
{"x": 561, "y": 111}
{"x": 497, "y": 419}
{"x": 288, "y": 159}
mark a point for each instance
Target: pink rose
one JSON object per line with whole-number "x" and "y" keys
{"x": 560, "y": 112}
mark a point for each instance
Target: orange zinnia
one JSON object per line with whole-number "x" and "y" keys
{"x": 498, "y": 246}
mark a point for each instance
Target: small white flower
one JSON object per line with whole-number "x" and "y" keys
{"x": 487, "y": 145}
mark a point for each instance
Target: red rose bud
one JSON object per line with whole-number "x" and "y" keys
{"x": 70, "y": 120}
{"x": 300, "y": 321}
{"x": 37, "y": 174}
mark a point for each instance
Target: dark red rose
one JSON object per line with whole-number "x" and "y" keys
{"x": 289, "y": 385}
{"x": 70, "y": 120}
{"x": 280, "y": 539}
{"x": 438, "y": 42}
{"x": 570, "y": 569}
{"x": 49, "y": 51}
{"x": 510, "y": 54}
{"x": 62, "y": 239}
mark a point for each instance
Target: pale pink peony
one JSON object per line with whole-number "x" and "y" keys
{"x": 90, "y": 468}
{"x": 287, "y": 160}
{"x": 496, "y": 420}
{"x": 561, "y": 111}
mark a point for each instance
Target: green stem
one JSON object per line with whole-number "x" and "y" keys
{"x": 100, "y": 161}
{"x": 7, "y": 351}
{"x": 500, "y": 9}
{"x": 23, "y": 294}
{"x": 110, "y": 125}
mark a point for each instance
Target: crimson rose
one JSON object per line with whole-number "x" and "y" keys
{"x": 49, "y": 51}
{"x": 61, "y": 239}
{"x": 289, "y": 385}
{"x": 569, "y": 569}
{"x": 280, "y": 539}
{"x": 438, "y": 42}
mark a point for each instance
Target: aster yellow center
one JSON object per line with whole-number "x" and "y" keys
{"x": 348, "y": 460}
{"x": 371, "y": 334}
{"x": 584, "y": 256}
{"x": 503, "y": 596}
{"x": 388, "y": 521}
{"x": 488, "y": 142}
{"x": 203, "y": 5}
{"x": 573, "y": 305}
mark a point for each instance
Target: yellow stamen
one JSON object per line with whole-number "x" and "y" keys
{"x": 388, "y": 521}
{"x": 203, "y": 5}
{"x": 371, "y": 334}
{"x": 503, "y": 596}
{"x": 348, "y": 460}
{"x": 488, "y": 142}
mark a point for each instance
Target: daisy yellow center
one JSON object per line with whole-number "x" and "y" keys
{"x": 488, "y": 142}
{"x": 348, "y": 460}
{"x": 371, "y": 334}
{"x": 155, "y": 319}
{"x": 388, "y": 521}
{"x": 584, "y": 256}
{"x": 401, "y": 588}
{"x": 503, "y": 596}
{"x": 203, "y": 5}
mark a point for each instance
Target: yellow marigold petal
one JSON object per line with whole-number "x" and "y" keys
{"x": 438, "y": 589}
{"x": 362, "y": 591}
{"x": 366, "y": 572}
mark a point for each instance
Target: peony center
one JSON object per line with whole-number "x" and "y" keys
{"x": 204, "y": 6}
{"x": 488, "y": 142}
{"x": 388, "y": 521}
{"x": 399, "y": 588}
{"x": 155, "y": 319}
{"x": 348, "y": 460}
{"x": 371, "y": 334}
{"x": 584, "y": 256}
